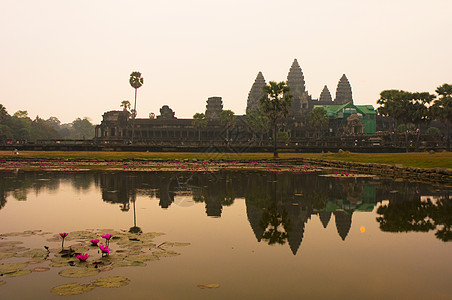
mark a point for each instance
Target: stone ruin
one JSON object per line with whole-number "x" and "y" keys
{"x": 166, "y": 113}
{"x": 214, "y": 108}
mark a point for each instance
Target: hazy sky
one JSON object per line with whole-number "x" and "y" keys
{"x": 73, "y": 58}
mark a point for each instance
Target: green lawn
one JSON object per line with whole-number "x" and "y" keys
{"x": 420, "y": 160}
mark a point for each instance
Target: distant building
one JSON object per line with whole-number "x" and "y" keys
{"x": 345, "y": 117}
{"x": 355, "y": 119}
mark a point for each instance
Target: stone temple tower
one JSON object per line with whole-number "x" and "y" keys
{"x": 343, "y": 91}
{"x": 214, "y": 108}
{"x": 255, "y": 93}
{"x": 325, "y": 95}
{"x": 295, "y": 80}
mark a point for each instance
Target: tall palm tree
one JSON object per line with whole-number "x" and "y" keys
{"x": 199, "y": 121}
{"x": 136, "y": 81}
{"x": 125, "y": 105}
{"x": 442, "y": 108}
{"x": 275, "y": 104}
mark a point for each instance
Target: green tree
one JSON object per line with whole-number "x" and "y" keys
{"x": 258, "y": 123}
{"x": 136, "y": 81}
{"x": 3, "y": 114}
{"x": 41, "y": 129}
{"x": 394, "y": 105}
{"x": 433, "y": 131}
{"x": 442, "y": 108}
{"x": 83, "y": 129}
{"x": 283, "y": 137}
{"x": 318, "y": 119}
{"x": 199, "y": 121}
{"x": 275, "y": 104}
{"x": 21, "y": 114}
{"x": 227, "y": 119}
{"x": 419, "y": 111}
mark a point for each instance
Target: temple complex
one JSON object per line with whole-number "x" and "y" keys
{"x": 344, "y": 117}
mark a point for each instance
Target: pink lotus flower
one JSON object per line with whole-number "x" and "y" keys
{"x": 104, "y": 249}
{"x": 94, "y": 242}
{"x": 83, "y": 256}
{"x": 107, "y": 236}
{"x": 63, "y": 235}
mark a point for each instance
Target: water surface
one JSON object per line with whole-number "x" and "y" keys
{"x": 257, "y": 234}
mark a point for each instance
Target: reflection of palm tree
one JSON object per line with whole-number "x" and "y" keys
{"x": 276, "y": 224}
{"x": 135, "y": 228}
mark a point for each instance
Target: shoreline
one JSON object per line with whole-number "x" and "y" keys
{"x": 437, "y": 175}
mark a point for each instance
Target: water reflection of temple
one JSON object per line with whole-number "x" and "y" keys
{"x": 278, "y": 206}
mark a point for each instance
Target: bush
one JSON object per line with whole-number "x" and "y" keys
{"x": 433, "y": 131}
{"x": 283, "y": 137}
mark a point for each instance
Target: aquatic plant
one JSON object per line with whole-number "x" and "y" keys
{"x": 105, "y": 250}
{"x": 107, "y": 238}
{"x": 83, "y": 256}
{"x": 94, "y": 242}
{"x": 63, "y": 236}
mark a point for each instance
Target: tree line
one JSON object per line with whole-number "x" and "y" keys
{"x": 20, "y": 127}
{"x": 411, "y": 110}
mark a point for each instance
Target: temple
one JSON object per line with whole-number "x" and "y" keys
{"x": 344, "y": 117}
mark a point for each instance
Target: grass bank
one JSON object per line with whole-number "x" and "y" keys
{"x": 418, "y": 160}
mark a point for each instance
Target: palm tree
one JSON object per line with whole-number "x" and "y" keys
{"x": 442, "y": 108}
{"x": 125, "y": 105}
{"x": 275, "y": 104}
{"x": 199, "y": 121}
{"x": 227, "y": 119}
{"x": 136, "y": 81}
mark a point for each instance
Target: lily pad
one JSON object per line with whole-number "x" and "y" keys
{"x": 176, "y": 244}
{"x": 111, "y": 282}
{"x": 126, "y": 263}
{"x": 4, "y": 255}
{"x": 13, "y": 249}
{"x": 9, "y": 243}
{"x": 34, "y": 253}
{"x": 74, "y": 288}
{"x": 32, "y": 231}
{"x": 59, "y": 261}
{"x": 17, "y": 273}
{"x": 142, "y": 258}
{"x": 40, "y": 269}
{"x": 78, "y": 272}
{"x": 209, "y": 286}
{"x": 165, "y": 253}
{"x": 106, "y": 268}
{"x": 34, "y": 261}
{"x": 11, "y": 267}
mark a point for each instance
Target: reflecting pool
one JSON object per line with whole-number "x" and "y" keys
{"x": 257, "y": 235}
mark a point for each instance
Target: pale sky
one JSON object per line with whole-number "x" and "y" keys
{"x": 73, "y": 58}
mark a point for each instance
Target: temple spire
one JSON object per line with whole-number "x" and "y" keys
{"x": 255, "y": 93}
{"x": 325, "y": 95}
{"x": 343, "y": 91}
{"x": 295, "y": 80}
